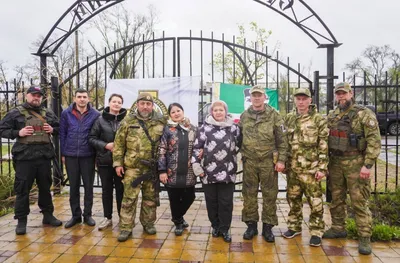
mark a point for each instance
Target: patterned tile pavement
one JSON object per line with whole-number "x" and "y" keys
{"x": 86, "y": 244}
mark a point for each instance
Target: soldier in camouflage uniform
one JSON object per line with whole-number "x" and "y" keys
{"x": 307, "y": 165}
{"x": 131, "y": 147}
{"x": 354, "y": 145}
{"x": 263, "y": 134}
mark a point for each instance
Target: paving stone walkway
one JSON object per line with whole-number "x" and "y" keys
{"x": 86, "y": 244}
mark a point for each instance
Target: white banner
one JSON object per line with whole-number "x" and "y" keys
{"x": 184, "y": 90}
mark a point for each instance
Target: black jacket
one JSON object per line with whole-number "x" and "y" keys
{"x": 175, "y": 151}
{"x": 103, "y": 132}
{"x": 14, "y": 121}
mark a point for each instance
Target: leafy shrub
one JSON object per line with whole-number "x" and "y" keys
{"x": 385, "y": 208}
{"x": 382, "y": 232}
{"x": 6, "y": 211}
{"x": 379, "y": 231}
{"x": 6, "y": 186}
{"x": 351, "y": 228}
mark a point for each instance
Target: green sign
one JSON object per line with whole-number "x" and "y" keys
{"x": 238, "y": 97}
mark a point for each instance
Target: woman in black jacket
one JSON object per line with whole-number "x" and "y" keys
{"x": 101, "y": 137}
{"x": 174, "y": 164}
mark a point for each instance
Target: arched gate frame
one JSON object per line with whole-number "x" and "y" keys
{"x": 296, "y": 11}
{"x": 191, "y": 56}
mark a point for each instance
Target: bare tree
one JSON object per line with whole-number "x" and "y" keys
{"x": 3, "y": 69}
{"x": 380, "y": 65}
{"x": 62, "y": 61}
{"x": 375, "y": 61}
{"x": 119, "y": 28}
{"x": 236, "y": 72}
{"x": 20, "y": 76}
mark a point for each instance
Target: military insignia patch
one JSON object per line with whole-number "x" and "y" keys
{"x": 159, "y": 106}
{"x": 371, "y": 123}
{"x": 283, "y": 128}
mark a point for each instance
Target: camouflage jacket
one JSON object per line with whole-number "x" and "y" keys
{"x": 308, "y": 141}
{"x": 364, "y": 125}
{"x": 131, "y": 143}
{"x": 263, "y": 133}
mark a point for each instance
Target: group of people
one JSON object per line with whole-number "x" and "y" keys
{"x": 129, "y": 150}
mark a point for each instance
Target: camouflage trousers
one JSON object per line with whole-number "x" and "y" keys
{"x": 344, "y": 176}
{"x": 129, "y": 202}
{"x": 255, "y": 173}
{"x": 297, "y": 185}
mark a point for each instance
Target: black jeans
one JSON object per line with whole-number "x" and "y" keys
{"x": 77, "y": 168}
{"x": 180, "y": 200}
{"x": 219, "y": 202}
{"x": 25, "y": 174}
{"x": 110, "y": 179}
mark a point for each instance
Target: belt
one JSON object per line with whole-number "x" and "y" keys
{"x": 339, "y": 153}
{"x": 258, "y": 159}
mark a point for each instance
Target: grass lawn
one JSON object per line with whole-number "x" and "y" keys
{"x": 394, "y": 151}
{"x": 6, "y": 165}
{"x": 4, "y": 148}
{"x": 381, "y": 184}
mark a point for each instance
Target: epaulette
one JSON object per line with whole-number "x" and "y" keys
{"x": 358, "y": 107}
{"x": 271, "y": 108}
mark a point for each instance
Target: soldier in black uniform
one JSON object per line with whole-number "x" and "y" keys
{"x": 31, "y": 125}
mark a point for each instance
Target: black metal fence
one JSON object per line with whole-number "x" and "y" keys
{"x": 11, "y": 94}
{"x": 215, "y": 60}
{"x": 381, "y": 95}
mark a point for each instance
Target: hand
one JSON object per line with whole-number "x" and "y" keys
{"x": 279, "y": 167}
{"x": 319, "y": 175}
{"x": 163, "y": 178}
{"x": 365, "y": 173}
{"x": 119, "y": 170}
{"x": 26, "y": 131}
{"x": 201, "y": 175}
{"x": 63, "y": 159}
{"x": 109, "y": 146}
{"x": 47, "y": 128}
{"x": 201, "y": 153}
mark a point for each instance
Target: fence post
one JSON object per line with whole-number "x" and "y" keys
{"x": 57, "y": 164}
{"x": 316, "y": 88}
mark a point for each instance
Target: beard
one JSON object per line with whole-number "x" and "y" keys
{"x": 35, "y": 103}
{"x": 345, "y": 105}
{"x": 144, "y": 115}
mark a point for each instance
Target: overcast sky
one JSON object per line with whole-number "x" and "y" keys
{"x": 355, "y": 23}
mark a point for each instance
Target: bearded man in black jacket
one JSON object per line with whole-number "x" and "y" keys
{"x": 32, "y": 126}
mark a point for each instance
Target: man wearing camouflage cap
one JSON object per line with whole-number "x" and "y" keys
{"x": 263, "y": 134}
{"x": 354, "y": 146}
{"x": 136, "y": 141}
{"x": 307, "y": 165}
{"x": 31, "y": 125}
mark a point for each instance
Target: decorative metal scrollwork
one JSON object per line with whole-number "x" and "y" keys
{"x": 283, "y": 4}
{"x": 305, "y": 18}
{"x": 80, "y": 12}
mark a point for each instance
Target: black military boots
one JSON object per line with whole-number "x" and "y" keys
{"x": 267, "y": 233}
{"x": 251, "y": 230}
{"x": 21, "y": 226}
